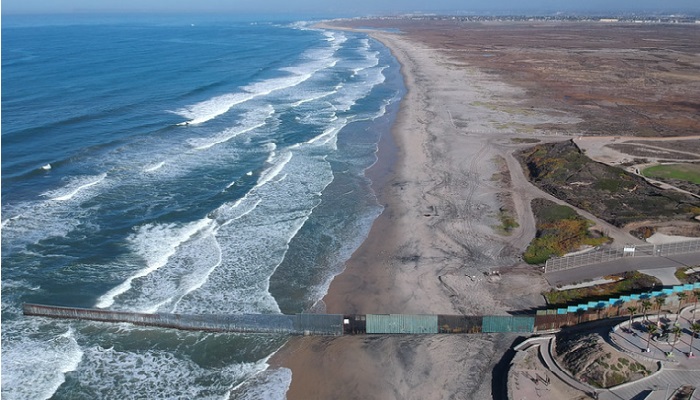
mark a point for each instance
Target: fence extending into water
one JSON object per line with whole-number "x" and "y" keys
{"x": 336, "y": 324}
{"x": 299, "y": 324}
{"x": 609, "y": 254}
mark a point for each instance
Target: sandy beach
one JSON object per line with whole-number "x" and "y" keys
{"x": 428, "y": 253}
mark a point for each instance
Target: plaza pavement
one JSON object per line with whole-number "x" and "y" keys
{"x": 676, "y": 371}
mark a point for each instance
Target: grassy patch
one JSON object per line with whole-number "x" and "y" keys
{"x": 615, "y": 378}
{"x": 634, "y": 281}
{"x": 681, "y": 275}
{"x": 559, "y": 230}
{"x": 508, "y": 222}
{"x": 555, "y": 212}
{"x": 613, "y": 185}
{"x": 682, "y": 172}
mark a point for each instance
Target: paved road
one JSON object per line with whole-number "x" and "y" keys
{"x": 593, "y": 271}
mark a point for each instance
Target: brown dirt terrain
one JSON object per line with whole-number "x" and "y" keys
{"x": 620, "y": 79}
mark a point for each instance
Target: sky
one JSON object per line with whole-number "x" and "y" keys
{"x": 342, "y": 8}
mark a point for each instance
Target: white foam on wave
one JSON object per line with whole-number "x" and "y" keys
{"x": 11, "y": 219}
{"x": 209, "y": 109}
{"x": 195, "y": 277}
{"x": 182, "y": 259}
{"x": 33, "y": 367}
{"x": 161, "y": 374}
{"x": 337, "y": 37}
{"x": 255, "y": 244}
{"x": 314, "y": 97}
{"x": 330, "y": 134}
{"x": 382, "y": 108}
{"x": 314, "y": 61}
{"x": 321, "y": 115}
{"x": 154, "y": 167}
{"x": 270, "y": 147}
{"x": 227, "y": 214}
{"x": 350, "y": 94}
{"x": 155, "y": 243}
{"x": 56, "y": 216}
{"x": 274, "y": 170}
{"x": 251, "y": 120}
{"x": 271, "y": 384}
{"x": 75, "y": 186}
{"x": 46, "y": 167}
{"x": 37, "y": 220}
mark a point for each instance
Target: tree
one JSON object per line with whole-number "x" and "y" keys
{"x": 646, "y": 305}
{"x": 681, "y": 296}
{"x": 695, "y": 329}
{"x": 696, "y": 292}
{"x": 599, "y": 308}
{"x": 676, "y": 330}
{"x": 618, "y": 304}
{"x": 651, "y": 329}
{"x": 660, "y": 301}
{"x": 632, "y": 310}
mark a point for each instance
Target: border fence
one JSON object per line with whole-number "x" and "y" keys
{"x": 337, "y": 324}
{"x": 610, "y": 254}
{"x": 299, "y": 324}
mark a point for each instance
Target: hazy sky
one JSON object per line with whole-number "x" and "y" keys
{"x": 349, "y": 8}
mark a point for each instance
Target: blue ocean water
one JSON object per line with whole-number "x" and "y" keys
{"x": 189, "y": 164}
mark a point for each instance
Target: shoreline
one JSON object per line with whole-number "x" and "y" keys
{"x": 425, "y": 253}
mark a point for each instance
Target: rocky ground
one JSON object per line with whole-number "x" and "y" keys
{"x": 590, "y": 359}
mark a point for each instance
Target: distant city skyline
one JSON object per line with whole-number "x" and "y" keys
{"x": 353, "y": 8}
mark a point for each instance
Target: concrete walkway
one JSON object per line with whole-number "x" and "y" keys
{"x": 545, "y": 345}
{"x": 667, "y": 276}
{"x": 675, "y": 371}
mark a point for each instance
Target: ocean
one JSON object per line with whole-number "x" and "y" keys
{"x": 178, "y": 164}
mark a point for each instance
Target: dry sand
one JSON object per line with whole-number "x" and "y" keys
{"x": 428, "y": 251}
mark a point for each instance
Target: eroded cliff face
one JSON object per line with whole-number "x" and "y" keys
{"x": 591, "y": 360}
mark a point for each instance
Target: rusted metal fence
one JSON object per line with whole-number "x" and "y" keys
{"x": 610, "y": 254}
{"x": 299, "y": 324}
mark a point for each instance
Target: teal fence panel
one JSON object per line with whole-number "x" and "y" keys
{"x": 402, "y": 323}
{"x": 502, "y": 324}
{"x": 319, "y": 324}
